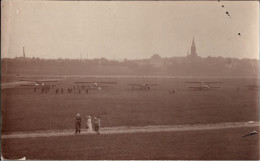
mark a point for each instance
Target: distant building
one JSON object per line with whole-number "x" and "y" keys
{"x": 156, "y": 60}
{"x": 193, "y": 53}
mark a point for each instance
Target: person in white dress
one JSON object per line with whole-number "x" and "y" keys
{"x": 89, "y": 124}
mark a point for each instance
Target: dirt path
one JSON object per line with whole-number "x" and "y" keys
{"x": 133, "y": 129}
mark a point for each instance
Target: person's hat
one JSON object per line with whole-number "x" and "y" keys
{"x": 78, "y": 114}
{"x": 88, "y": 116}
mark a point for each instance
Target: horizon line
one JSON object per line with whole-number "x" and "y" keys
{"x": 120, "y": 59}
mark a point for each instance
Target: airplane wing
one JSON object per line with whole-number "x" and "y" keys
{"x": 195, "y": 87}
{"x": 214, "y": 87}
{"x": 144, "y": 84}
{"x": 41, "y": 80}
{"x": 193, "y": 82}
{"x": 48, "y": 80}
{"x": 23, "y": 80}
{"x": 97, "y": 82}
{"x": 135, "y": 84}
{"x": 212, "y": 82}
{"x": 14, "y": 84}
{"x": 89, "y": 86}
{"x": 202, "y": 82}
{"x": 153, "y": 84}
{"x": 100, "y": 86}
{"x": 29, "y": 85}
{"x": 95, "y": 87}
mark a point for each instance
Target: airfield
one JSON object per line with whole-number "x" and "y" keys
{"x": 136, "y": 124}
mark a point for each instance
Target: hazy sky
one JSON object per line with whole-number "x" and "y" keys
{"x": 129, "y": 29}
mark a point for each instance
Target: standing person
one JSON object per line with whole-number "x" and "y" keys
{"x": 77, "y": 123}
{"x": 57, "y": 90}
{"x": 173, "y": 90}
{"x": 97, "y": 124}
{"x": 89, "y": 124}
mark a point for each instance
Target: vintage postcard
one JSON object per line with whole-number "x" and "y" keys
{"x": 129, "y": 80}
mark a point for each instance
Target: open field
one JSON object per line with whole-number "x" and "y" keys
{"x": 24, "y": 111}
{"x": 118, "y": 105}
{"x": 209, "y": 144}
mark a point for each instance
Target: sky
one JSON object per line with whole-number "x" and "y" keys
{"x": 129, "y": 29}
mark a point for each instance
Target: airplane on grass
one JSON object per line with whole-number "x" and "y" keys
{"x": 25, "y": 83}
{"x": 95, "y": 85}
{"x": 252, "y": 87}
{"x": 13, "y": 84}
{"x": 203, "y": 85}
{"x": 143, "y": 86}
{"x": 37, "y": 83}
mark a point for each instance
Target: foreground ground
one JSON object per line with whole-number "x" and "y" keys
{"x": 207, "y": 144}
{"x": 132, "y": 129}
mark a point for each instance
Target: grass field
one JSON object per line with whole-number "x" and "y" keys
{"x": 213, "y": 144}
{"x": 118, "y": 105}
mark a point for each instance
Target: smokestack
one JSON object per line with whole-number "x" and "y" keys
{"x": 23, "y": 52}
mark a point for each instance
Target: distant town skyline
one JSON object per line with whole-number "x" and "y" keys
{"x": 129, "y": 29}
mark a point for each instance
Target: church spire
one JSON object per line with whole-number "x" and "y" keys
{"x": 193, "y": 42}
{"x": 193, "y": 49}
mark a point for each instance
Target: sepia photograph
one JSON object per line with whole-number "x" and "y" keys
{"x": 129, "y": 80}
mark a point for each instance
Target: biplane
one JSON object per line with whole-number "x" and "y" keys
{"x": 40, "y": 82}
{"x": 29, "y": 83}
{"x": 203, "y": 85}
{"x": 95, "y": 85}
{"x": 142, "y": 86}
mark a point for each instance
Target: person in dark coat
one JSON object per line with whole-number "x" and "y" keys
{"x": 97, "y": 124}
{"x": 57, "y": 90}
{"x": 77, "y": 123}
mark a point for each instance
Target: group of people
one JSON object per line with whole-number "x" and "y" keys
{"x": 69, "y": 90}
{"x": 44, "y": 89}
{"x": 88, "y": 124}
